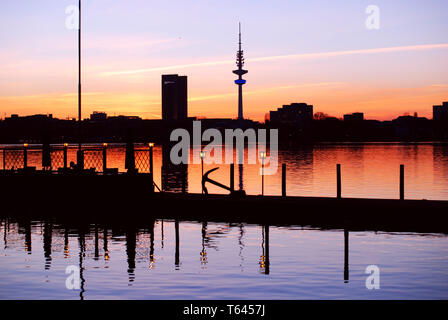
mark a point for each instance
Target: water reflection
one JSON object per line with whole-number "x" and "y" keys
{"x": 264, "y": 259}
{"x": 223, "y": 247}
{"x": 130, "y": 251}
{"x": 204, "y": 240}
{"x": 174, "y": 177}
{"x": 346, "y": 252}
{"x": 177, "y": 254}
{"x": 48, "y": 230}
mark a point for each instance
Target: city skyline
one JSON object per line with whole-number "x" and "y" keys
{"x": 331, "y": 61}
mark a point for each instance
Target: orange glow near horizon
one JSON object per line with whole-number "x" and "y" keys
{"x": 334, "y": 99}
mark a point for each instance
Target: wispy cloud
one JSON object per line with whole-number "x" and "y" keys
{"x": 266, "y": 90}
{"x": 283, "y": 57}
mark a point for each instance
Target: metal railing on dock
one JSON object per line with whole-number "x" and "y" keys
{"x": 55, "y": 158}
{"x": 136, "y": 159}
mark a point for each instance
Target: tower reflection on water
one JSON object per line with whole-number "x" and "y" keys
{"x": 93, "y": 242}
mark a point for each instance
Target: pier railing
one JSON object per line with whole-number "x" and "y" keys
{"x": 136, "y": 159}
{"x": 56, "y": 158}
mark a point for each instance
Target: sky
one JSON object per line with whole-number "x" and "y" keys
{"x": 319, "y": 52}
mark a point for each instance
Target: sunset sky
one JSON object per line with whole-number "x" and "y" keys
{"x": 319, "y": 52}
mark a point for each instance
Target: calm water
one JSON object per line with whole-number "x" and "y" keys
{"x": 239, "y": 261}
{"x": 368, "y": 171}
{"x": 217, "y": 261}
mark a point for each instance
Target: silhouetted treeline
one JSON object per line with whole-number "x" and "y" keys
{"x": 33, "y": 129}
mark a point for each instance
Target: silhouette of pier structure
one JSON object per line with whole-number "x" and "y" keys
{"x": 44, "y": 172}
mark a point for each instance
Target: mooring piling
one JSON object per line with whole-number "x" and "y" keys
{"x": 65, "y": 155}
{"x": 232, "y": 177}
{"x": 184, "y": 182}
{"x": 338, "y": 180}
{"x": 25, "y": 155}
{"x": 402, "y": 182}
{"x": 284, "y": 180}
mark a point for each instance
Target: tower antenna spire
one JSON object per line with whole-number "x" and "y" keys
{"x": 240, "y": 36}
{"x": 240, "y": 72}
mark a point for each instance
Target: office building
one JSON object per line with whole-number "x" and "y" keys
{"x": 440, "y": 112}
{"x": 174, "y": 97}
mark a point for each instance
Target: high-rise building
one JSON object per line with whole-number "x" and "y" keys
{"x": 174, "y": 97}
{"x": 440, "y": 112}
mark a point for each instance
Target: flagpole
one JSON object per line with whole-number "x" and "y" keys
{"x": 79, "y": 77}
{"x": 80, "y": 155}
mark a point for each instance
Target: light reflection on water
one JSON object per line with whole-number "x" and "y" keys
{"x": 216, "y": 261}
{"x": 369, "y": 170}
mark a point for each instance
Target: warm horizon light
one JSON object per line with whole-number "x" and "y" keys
{"x": 320, "y": 53}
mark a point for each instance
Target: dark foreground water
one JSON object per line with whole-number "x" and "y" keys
{"x": 192, "y": 260}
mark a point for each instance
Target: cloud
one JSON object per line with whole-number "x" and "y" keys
{"x": 283, "y": 57}
{"x": 266, "y": 90}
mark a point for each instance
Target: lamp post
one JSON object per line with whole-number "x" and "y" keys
{"x": 262, "y": 156}
{"x": 202, "y": 154}
{"x": 25, "y": 155}
{"x": 79, "y": 153}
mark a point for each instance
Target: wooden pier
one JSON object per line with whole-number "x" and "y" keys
{"x": 127, "y": 196}
{"x": 73, "y": 192}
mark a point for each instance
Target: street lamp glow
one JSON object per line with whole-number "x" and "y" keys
{"x": 263, "y": 154}
{"x": 202, "y": 154}
{"x": 25, "y": 145}
{"x": 151, "y": 144}
{"x": 105, "y": 145}
{"x": 66, "y": 145}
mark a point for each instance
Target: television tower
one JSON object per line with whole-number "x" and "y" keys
{"x": 240, "y": 81}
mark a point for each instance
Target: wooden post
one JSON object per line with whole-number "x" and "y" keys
{"x": 65, "y": 156}
{"x": 80, "y": 159}
{"x": 184, "y": 180}
{"x": 284, "y": 180}
{"x": 338, "y": 180}
{"x": 25, "y": 156}
{"x": 202, "y": 173}
{"x": 232, "y": 177}
{"x": 104, "y": 158}
{"x": 402, "y": 182}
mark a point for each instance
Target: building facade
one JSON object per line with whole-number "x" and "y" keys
{"x": 295, "y": 114}
{"x": 174, "y": 97}
{"x": 440, "y": 112}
